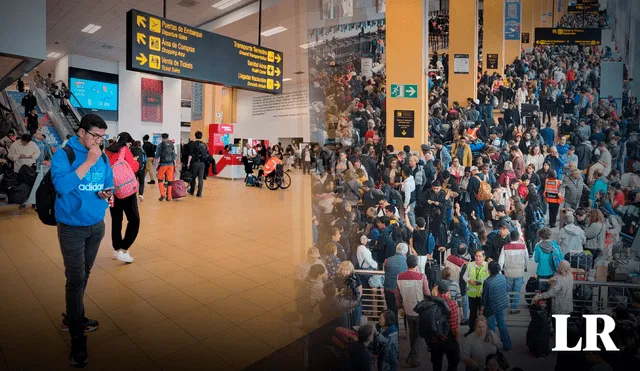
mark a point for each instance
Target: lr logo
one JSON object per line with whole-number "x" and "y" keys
{"x": 592, "y": 334}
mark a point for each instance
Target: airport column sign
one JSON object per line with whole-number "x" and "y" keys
{"x": 163, "y": 47}
{"x": 568, "y": 36}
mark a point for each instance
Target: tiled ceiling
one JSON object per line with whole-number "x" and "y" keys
{"x": 65, "y": 19}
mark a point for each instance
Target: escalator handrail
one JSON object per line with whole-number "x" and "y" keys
{"x": 79, "y": 109}
{"x": 54, "y": 112}
{"x": 15, "y": 112}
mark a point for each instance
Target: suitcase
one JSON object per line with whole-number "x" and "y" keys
{"x": 579, "y": 260}
{"x": 527, "y": 109}
{"x": 539, "y": 330}
{"x": 533, "y": 285}
{"x": 178, "y": 190}
{"x": 343, "y": 336}
{"x": 432, "y": 271}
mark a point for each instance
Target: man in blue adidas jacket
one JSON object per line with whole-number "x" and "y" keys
{"x": 83, "y": 185}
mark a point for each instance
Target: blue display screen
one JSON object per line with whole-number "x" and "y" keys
{"x": 96, "y": 95}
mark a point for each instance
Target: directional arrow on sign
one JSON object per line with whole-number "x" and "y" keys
{"x": 411, "y": 91}
{"x": 276, "y": 84}
{"x": 277, "y": 71}
{"x": 141, "y": 21}
{"x": 142, "y": 59}
{"x": 141, "y": 38}
{"x": 404, "y": 132}
{"x": 278, "y": 59}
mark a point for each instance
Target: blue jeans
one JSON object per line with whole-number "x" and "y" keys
{"x": 412, "y": 214}
{"x": 479, "y": 209}
{"x": 356, "y": 313}
{"x": 499, "y": 317}
{"x": 465, "y": 307}
{"x": 514, "y": 285}
{"x": 79, "y": 246}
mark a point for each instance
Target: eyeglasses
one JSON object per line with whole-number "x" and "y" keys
{"x": 97, "y": 136}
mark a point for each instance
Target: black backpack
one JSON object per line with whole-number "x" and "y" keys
{"x": 434, "y": 319}
{"x": 46, "y": 194}
{"x": 167, "y": 152}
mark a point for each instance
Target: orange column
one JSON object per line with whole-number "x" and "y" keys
{"x": 406, "y": 63}
{"x": 527, "y": 21}
{"x": 463, "y": 50}
{"x": 211, "y": 104}
{"x": 493, "y": 35}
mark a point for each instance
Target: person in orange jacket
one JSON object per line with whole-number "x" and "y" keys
{"x": 553, "y": 196}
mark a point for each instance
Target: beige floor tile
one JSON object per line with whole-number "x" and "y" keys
{"x": 22, "y": 324}
{"x": 8, "y": 272}
{"x": 259, "y": 275}
{"x": 252, "y": 258}
{"x": 161, "y": 339}
{"x": 173, "y": 303}
{"x": 102, "y": 282}
{"x": 49, "y": 279}
{"x": 128, "y": 273}
{"x": 273, "y": 330}
{"x": 212, "y": 255}
{"x": 236, "y": 309}
{"x": 149, "y": 288}
{"x": 276, "y": 254}
{"x": 193, "y": 357}
{"x": 231, "y": 264}
{"x": 209, "y": 271}
{"x": 206, "y": 292}
{"x": 232, "y": 239}
{"x": 289, "y": 313}
{"x": 49, "y": 295}
{"x": 145, "y": 257}
{"x": 114, "y": 298}
{"x": 284, "y": 286}
{"x": 182, "y": 278}
{"x": 27, "y": 269}
{"x": 161, "y": 267}
{"x": 186, "y": 260}
{"x": 129, "y": 356}
{"x": 202, "y": 322}
{"x": 13, "y": 287}
{"x": 19, "y": 303}
{"x": 282, "y": 268}
{"x": 235, "y": 283}
{"x": 190, "y": 247}
{"x": 265, "y": 298}
{"x": 231, "y": 345}
{"x": 42, "y": 351}
{"x": 135, "y": 316}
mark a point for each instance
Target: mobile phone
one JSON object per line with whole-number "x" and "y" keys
{"x": 110, "y": 189}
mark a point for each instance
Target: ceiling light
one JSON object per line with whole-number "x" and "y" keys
{"x": 286, "y": 79}
{"x": 91, "y": 28}
{"x": 309, "y": 45}
{"x": 273, "y": 31}
{"x": 224, "y": 4}
{"x": 54, "y": 55}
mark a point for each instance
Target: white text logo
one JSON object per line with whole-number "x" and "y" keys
{"x": 91, "y": 187}
{"x": 592, "y": 335}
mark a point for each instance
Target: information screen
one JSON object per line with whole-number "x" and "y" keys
{"x": 163, "y": 47}
{"x": 583, "y": 9}
{"x": 95, "y": 95}
{"x": 568, "y": 36}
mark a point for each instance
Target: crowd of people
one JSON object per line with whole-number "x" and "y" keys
{"x": 554, "y": 180}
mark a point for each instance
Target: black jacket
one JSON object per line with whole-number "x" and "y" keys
{"x": 149, "y": 149}
{"x": 29, "y": 102}
{"x": 494, "y": 246}
{"x": 584, "y": 156}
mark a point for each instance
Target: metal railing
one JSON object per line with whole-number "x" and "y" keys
{"x": 598, "y": 301}
{"x": 15, "y": 113}
{"x": 53, "y": 111}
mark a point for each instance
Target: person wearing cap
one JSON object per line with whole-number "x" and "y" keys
{"x": 442, "y": 153}
{"x": 569, "y": 157}
{"x": 83, "y": 186}
{"x": 495, "y": 302}
{"x": 302, "y": 270}
{"x": 496, "y": 241}
{"x": 412, "y": 287}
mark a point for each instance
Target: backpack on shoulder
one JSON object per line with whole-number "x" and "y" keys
{"x": 433, "y": 319}
{"x": 167, "y": 152}
{"x": 538, "y": 219}
{"x": 484, "y": 191}
{"x": 124, "y": 179}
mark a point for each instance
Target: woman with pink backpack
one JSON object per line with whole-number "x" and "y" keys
{"x": 124, "y": 167}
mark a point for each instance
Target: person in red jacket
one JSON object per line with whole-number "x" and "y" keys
{"x": 127, "y": 205}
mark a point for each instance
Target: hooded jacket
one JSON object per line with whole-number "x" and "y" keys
{"x": 571, "y": 239}
{"x": 544, "y": 255}
{"x": 572, "y": 190}
{"x": 595, "y": 233}
{"x": 78, "y": 204}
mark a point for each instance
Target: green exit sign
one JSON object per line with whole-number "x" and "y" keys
{"x": 404, "y": 91}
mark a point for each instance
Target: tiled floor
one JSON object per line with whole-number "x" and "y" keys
{"x": 211, "y": 286}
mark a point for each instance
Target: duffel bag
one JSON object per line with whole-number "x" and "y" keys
{"x": 579, "y": 260}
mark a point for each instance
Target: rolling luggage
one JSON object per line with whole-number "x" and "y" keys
{"x": 179, "y": 189}
{"x": 579, "y": 260}
{"x": 539, "y": 330}
{"x": 533, "y": 285}
{"x": 528, "y": 109}
{"x": 432, "y": 270}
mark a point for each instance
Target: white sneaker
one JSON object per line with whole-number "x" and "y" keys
{"x": 115, "y": 254}
{"x": 141, "y": 198}
{"x": 124, "y": 256}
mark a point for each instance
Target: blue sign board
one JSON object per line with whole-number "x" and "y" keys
{"x": 196, "y": 100}
{"x": 559, "y": 6}
{"x": 512, "y": 19}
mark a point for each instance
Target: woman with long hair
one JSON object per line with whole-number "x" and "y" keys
{"x": 531, "y": 233}
{"x": 543, "y": 174}
{"x": 127, "y": 205}
{"x": 595, "y": 232}
{"x": 534, "y": 158}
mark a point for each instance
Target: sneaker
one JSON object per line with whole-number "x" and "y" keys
{"x": 22, "y": 207}
{"x": 151, "y": 182}
{"x": 515, "y": 311}
{"x": 141, "y": 198}
{"x": 464, "y": 323}
{"x": 115, "y": 254}
{"x": 168, "y": 199}
{"x": 78, "y": 357}
{"x": 162, "y": 198}
{"x": 200, "y": 196}
{"x": 90, "y": 325}
{"x": 124, "y": 256}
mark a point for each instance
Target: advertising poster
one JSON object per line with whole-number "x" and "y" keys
{"x": 461, "y": 63}
{"x": 196, "y": 100}
{"x": 156, "y": 138}
{"x": 151, "y": 100}
{"x": 512, "y": 20}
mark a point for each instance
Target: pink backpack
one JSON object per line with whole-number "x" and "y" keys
{"x": 124, "y": 179}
